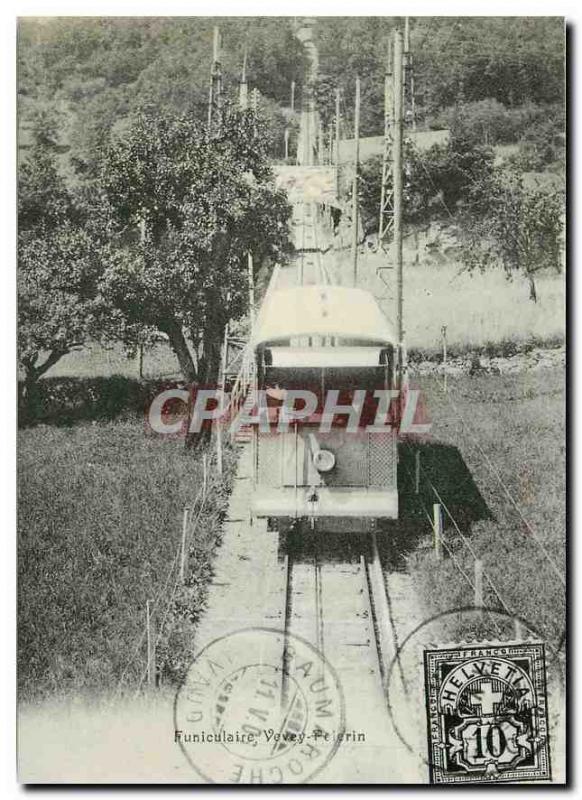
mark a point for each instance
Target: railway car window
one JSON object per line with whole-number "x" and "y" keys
{"x": 320, "y": 380}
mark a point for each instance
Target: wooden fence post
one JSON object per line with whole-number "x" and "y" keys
{"x": 184, "y": 545}
{"x": 151, "y": 668}
{"x": 479, "y": 585}
{"x": 219, "y": 446}
{"x": 220, "y": 422}
{"x": 437, "y": 529}
{"x": 444, "y": 337}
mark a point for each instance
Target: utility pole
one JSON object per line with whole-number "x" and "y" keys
{"x": 151, "y": 651}
{"x": 214, "y": 99}
{"x": 337, "y": 142}
{"x": 355, "y": 185}
{"x": 330, "y": 144}
{"x": 243, "y": 100}
{"x": 386, "y": 221}
{"x": 320, "y": 142}
{"x": 251, "y": 277}
{"x": 397, "y": 178}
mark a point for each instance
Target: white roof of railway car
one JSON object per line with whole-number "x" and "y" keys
{"x": 322, "y": 311}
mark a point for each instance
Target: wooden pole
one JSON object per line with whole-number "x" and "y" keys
{"x": 444, "y": 337}
{"x": 337, "y": 142}
{"x": 437, "y": 513}
{"x": 330, "y": 145}
{"x": 518, "y": 630}
{"x": 355, "y": 186}
{"x": 140, "y": 361}
{"x": 397, "y": 179}
{"x": 151, "y": 671}
{"x": 479, "y": 584}
{"x": 214, "y": 97}
{"x": 251, "y": 276}
{"x": 417, "y": 471}
{"x": 244, "y": 87}
{"x": 205, "y": 475}
{"x": 184, "y": 545}
{"x": 221, "y": 422}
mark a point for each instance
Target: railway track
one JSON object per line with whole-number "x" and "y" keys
{"x": 334, "y": 591}
{"x": 308, "y": 268}
{"x": 317, "y": 575}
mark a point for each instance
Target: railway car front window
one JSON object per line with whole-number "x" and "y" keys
{"x": 321, "y": 381}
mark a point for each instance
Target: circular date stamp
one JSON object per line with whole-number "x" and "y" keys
{"x": 259, "y": 706}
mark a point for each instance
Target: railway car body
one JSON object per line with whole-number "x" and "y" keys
{"x": 331, "y": 342}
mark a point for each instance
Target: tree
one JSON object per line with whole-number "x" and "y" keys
{"x": 513, "y": 60}
{"x": 202, "y": 205}
{"x": 59, "y": 304}
{"x": 516, "y": 225}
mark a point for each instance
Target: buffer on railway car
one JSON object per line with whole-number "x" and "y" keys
{"x": 335, "y": 344}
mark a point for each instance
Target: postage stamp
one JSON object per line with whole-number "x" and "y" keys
{"x": 487, "y": 713}
{"x": 259, "y": 706}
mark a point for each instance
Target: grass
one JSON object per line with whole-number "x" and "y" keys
{"x": 477, "y": 308}
{"x": 519, "y": 424}
{"x": 100, "y": 510}
{"x": 97, "y": 361}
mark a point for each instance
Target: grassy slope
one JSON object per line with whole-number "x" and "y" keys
{"x": 476, "y": 308}
{"x": 100, "y": 511}
{"x": 519, "y": 423}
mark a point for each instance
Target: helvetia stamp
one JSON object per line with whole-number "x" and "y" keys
{"x": 487, "y": 713}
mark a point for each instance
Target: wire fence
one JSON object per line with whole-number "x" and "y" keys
{"x": 490, "y": 586}
{"x": 158, "y": 610}
{"x": 479, "y": 595}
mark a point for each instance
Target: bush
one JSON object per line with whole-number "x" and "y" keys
{"x": 63, "y": 401}
{"x": 490, "y": 122}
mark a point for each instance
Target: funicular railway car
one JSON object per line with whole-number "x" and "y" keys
{"x": 335, "y": 343}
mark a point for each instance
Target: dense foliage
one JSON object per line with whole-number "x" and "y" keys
{"x": 99, "y": 71}
{"x": 59, "y": 270}
{"x": 202, "y": 204}
{"x": 514, "y": 61}
{"x": 437, "y": 182}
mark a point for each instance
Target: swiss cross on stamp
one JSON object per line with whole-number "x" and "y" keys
{"x": 487, "y": 714}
